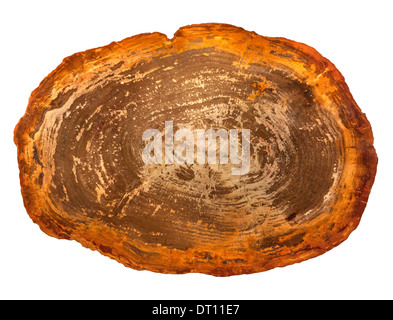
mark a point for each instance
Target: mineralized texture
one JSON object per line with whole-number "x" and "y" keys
{"x": 312, "y": 161}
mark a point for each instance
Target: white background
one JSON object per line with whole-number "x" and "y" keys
{"x": 36, "y": 35}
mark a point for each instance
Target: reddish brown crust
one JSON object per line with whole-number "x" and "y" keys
{"x": 318, "y": 235}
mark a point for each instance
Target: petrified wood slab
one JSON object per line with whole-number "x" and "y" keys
{"x": 311, "y": 165}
